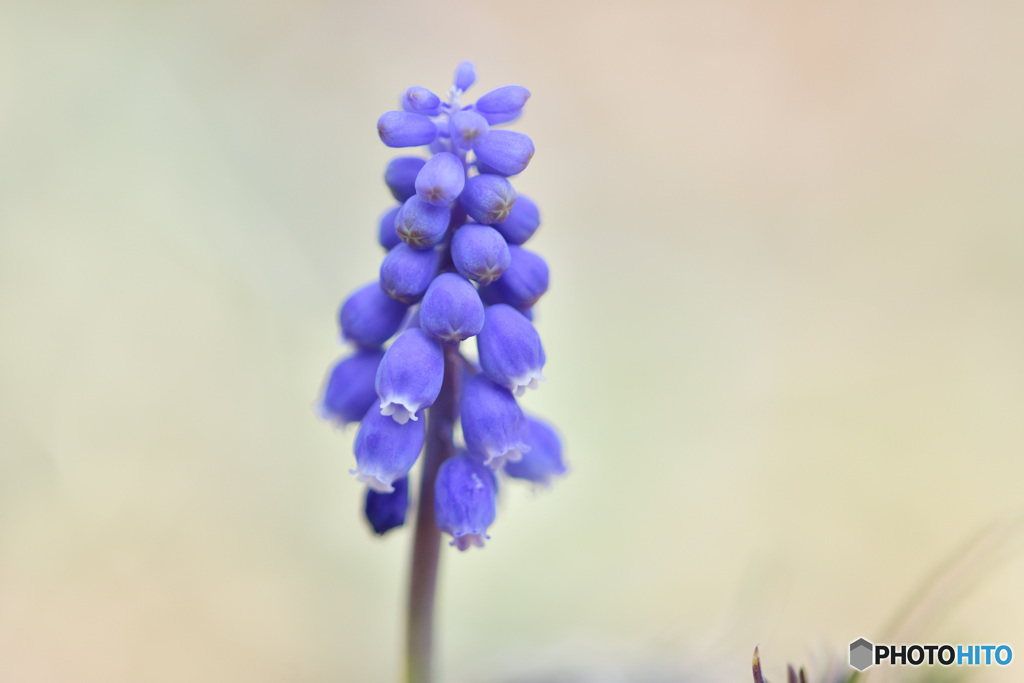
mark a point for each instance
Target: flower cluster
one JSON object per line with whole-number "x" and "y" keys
{"x": 455, "y": 268}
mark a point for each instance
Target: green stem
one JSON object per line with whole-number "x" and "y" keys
{"x": 427, "y": 542}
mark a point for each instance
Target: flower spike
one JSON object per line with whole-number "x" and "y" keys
{"x": 454, "y": 268}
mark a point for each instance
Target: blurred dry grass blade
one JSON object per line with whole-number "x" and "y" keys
{"x": 951, "y": 580}
{"x": 758, "y": 676}
{"x": 948, "y": 584}
{"x": 791, "y": 674}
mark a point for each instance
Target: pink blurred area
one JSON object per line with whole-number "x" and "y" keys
{"x": 784, "y": 334}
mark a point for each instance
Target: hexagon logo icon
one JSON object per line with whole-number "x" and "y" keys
{"x": 861, "y": 654}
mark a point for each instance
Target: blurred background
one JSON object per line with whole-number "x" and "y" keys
{"x": 784, "y": 335}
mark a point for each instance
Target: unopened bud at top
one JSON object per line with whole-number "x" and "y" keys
{"x": 503, "y": 100}
{"x": 466, "y": 127}
{"x": 465, "y": 75}
{"x": 405, "y": 129}
{"x": 503, "y": 152}
{"x": 421, "y": 101}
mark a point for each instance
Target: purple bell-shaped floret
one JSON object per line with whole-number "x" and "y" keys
{"x": 409, "y": 376}
{"x": 510, "y": 350}
{"x": 385, "y": 450}
{"x": 369, "y": 317}
{"x": 349, "y": 390}
{"x": 544, "y": 459}
{"x": 493, "y": 425}
{"x": 465, "y": 501}
{"x": 386, "y": 511}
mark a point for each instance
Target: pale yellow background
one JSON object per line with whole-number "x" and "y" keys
{"x": 785, "y": 333}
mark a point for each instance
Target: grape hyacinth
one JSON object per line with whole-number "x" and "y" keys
{"x": 455, "y": 268}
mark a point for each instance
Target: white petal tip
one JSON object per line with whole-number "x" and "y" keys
{"x": 373, "y": 481}
{"x": 497, "y": 460}
{"x": 465, "y": 541}
{"x": 400, "y": 411}
{"x": 532, "y": 380}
